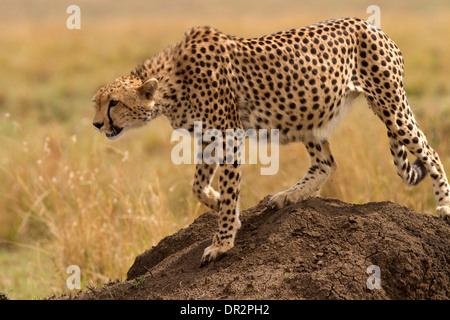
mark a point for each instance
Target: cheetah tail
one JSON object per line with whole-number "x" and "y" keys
{"x": 410, "y": 174}
{"x": 421, "y": 172}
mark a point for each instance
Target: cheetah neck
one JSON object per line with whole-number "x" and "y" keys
{"x": 169, "y": 96}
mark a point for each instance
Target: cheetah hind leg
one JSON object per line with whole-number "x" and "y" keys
{"x": 427, "y": 161}
{"x": 322, "y": 167}
{"x": 414, "y": 173}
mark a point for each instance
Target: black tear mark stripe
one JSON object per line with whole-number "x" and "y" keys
{"x": 115, "y": 129}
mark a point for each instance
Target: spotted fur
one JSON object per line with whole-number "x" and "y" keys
{"x": 300, "y": 81}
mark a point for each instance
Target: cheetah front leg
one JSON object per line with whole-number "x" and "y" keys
{"x": 322, "y": 167}
{"x": 223, "y": 240}
{"x": 202, "y": 188}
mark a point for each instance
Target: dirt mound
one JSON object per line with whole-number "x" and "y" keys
{"x": 316, "y": 249}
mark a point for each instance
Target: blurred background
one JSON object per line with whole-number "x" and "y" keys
{"x": 70, "y": 197}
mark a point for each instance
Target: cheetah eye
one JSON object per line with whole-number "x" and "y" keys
{"x": 113, "y": 103}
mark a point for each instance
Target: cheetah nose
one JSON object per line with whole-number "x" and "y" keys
{"x": 98, "y": 125}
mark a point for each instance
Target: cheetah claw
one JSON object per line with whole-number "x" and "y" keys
{"x": 284, "y": 198}
{"x": 211, "y": 253}
{"x": 443, "y": 212}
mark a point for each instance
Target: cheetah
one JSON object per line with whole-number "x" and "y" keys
{"x": 300, "y": 81}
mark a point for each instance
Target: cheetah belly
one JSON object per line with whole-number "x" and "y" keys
{"x": 295, "y": 125}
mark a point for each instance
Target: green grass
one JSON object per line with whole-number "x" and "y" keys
{"x": 68, "y": 196}
{"x": 26, "y": 273}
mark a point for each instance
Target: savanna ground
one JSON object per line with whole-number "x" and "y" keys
{"x": 69, "y": 197}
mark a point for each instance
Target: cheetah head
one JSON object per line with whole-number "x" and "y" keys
{"x": 125, "y": 104}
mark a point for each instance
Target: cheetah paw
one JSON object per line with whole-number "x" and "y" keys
{"x": 443, "y": 212}
{"x": 212, "y": 252}
{"x": 285, "y": 198}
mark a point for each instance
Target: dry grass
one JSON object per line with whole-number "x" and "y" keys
{"x": 75, "y": 198}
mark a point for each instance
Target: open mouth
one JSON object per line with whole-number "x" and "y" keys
{"x": 115, "y": 132}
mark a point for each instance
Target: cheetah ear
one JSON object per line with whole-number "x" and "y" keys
{"x": 148, "y": 88}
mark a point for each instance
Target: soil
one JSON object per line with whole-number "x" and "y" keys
{"x": 315, "y": 249}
